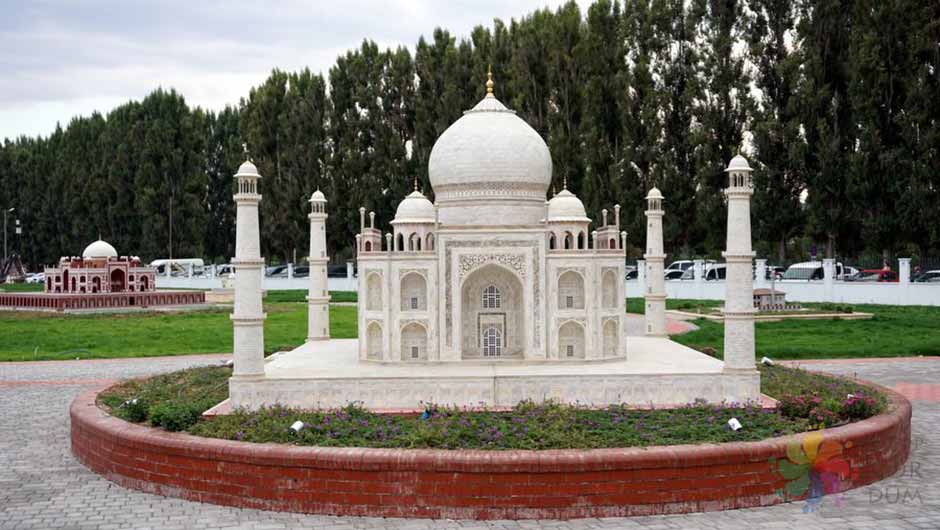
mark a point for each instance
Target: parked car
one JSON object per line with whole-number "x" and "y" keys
{"x": 301, "y": 271}
{"x": 673, "y": 274}
{"x": 713, "y": 271}
{"x": 877, "y": 275}
{"x": 811, "y": 270}
{"x": 772, "y": 271}
{"x": 846, "y": 272}
{"x": 36, "y": 277}
{"x": 338, "y": 271}
{"x": 682, "y": 269}
{"x": 628, "y": 271}
{"x": 276, "y": 271}
{"x": 179, "y": 266}
{"x": 924, "y": 277}
{"x": 680, "y": 265}
{"x": 225, "y": 269}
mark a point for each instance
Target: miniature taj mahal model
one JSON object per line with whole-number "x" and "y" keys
{"x": 490, "y": 295}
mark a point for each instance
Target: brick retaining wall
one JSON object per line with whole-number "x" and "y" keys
{"x": 469, "y": 484}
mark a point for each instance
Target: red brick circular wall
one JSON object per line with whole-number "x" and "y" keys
{"x": 467, "y": 484}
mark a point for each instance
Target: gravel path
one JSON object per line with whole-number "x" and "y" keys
{"x": 42, "y": 486}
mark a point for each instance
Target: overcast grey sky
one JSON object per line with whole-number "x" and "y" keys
{"x": 67, "y": 58}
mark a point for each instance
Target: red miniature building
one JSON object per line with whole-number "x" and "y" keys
{"x": 100, "y": 270}
{"x": 100, "y": 279}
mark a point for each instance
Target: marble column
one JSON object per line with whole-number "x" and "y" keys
{"x": 655, "y": 294}
{"x": 318, "y": 296}
{"x": 248, "y": 316}
{"x": 739, "y": 283}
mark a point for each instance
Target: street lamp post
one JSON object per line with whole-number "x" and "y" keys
{"x": 5, "y": 213}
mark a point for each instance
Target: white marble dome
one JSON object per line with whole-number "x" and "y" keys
{"x": 99, "y": 249}
{"x": 566, "y": 206}
{"x": 248, "y": 169}
{"x": 415, "y": 208}
{"x": 738, "y": 163}
{"x": 317, "y": 196}
{"x": 490, "y": 167}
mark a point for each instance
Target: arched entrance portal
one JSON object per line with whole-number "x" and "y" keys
{"x": 118, "y": 281}
{"x": 492, "y": 323}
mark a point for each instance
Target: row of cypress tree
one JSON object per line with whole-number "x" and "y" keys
{"x": 836, "y": 103}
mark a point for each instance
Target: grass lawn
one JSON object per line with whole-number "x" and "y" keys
{"x": 300, "y": 295}
{"x": 894, "y": 331}
{"x": 46, "y": 336}
{"x": 21, "y": 287}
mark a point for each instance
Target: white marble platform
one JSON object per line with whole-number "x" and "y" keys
{"x": 657, "y": 371}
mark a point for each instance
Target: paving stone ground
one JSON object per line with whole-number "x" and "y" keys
{"x": 42, "y": 486}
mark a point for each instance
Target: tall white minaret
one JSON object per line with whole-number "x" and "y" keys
{"x": 248, "y": 317}
{"x": 739, "y": 282}
{"x": 655, "y": 257}
{"x": 318, "y": 298}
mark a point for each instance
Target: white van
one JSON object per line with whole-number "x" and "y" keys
{"x": 810, "y": 270}
{"x": 179, "y": 267}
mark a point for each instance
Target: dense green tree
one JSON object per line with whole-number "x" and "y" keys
{"x": 778, "y": 146}
{"x": 224, "y": 153}
{"x": 827, "y": 118}
{"x": 602, "y": 57}
{"x": 676, "y": 173}
{"x": 721, "y": 111}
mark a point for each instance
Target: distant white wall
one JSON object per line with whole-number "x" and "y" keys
{"x": 809, "y": 291}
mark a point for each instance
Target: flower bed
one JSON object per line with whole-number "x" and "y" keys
{"x": 807, "y": 400}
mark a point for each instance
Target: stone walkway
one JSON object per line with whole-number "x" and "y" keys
{"x": 42, "y": 486}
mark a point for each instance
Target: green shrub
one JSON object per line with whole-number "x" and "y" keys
{"x": 175, "y": 415}
{"x": 134, "y": 410}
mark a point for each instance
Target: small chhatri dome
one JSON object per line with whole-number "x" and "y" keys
{"x": 415, "y": 208}
{"x": 247, "y": 169}
{"x": 738, "y": 163}
{"x": 318, "y": 196}
{"x": 99, "y": 249}
{"x": 654, "y": 194}
{"x": 566, "y": 206}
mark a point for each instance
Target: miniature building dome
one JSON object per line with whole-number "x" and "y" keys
{"x": 490, "y": 155}
{"x": 247, "y": 169}
{"x": 318, "y": 196}
{"x": 655, "y": 194}
{"x": 99, "y": 249}
{"x": 566, "y": 206}
{"x": 415, "y": 208}
{"x": 738, "y": 163}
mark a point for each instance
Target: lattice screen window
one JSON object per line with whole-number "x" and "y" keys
{"x": 492, "y": 342}
{"x": 491, "y": 298}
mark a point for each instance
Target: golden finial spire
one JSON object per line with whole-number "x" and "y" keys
{"x": 489, "y": 80}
